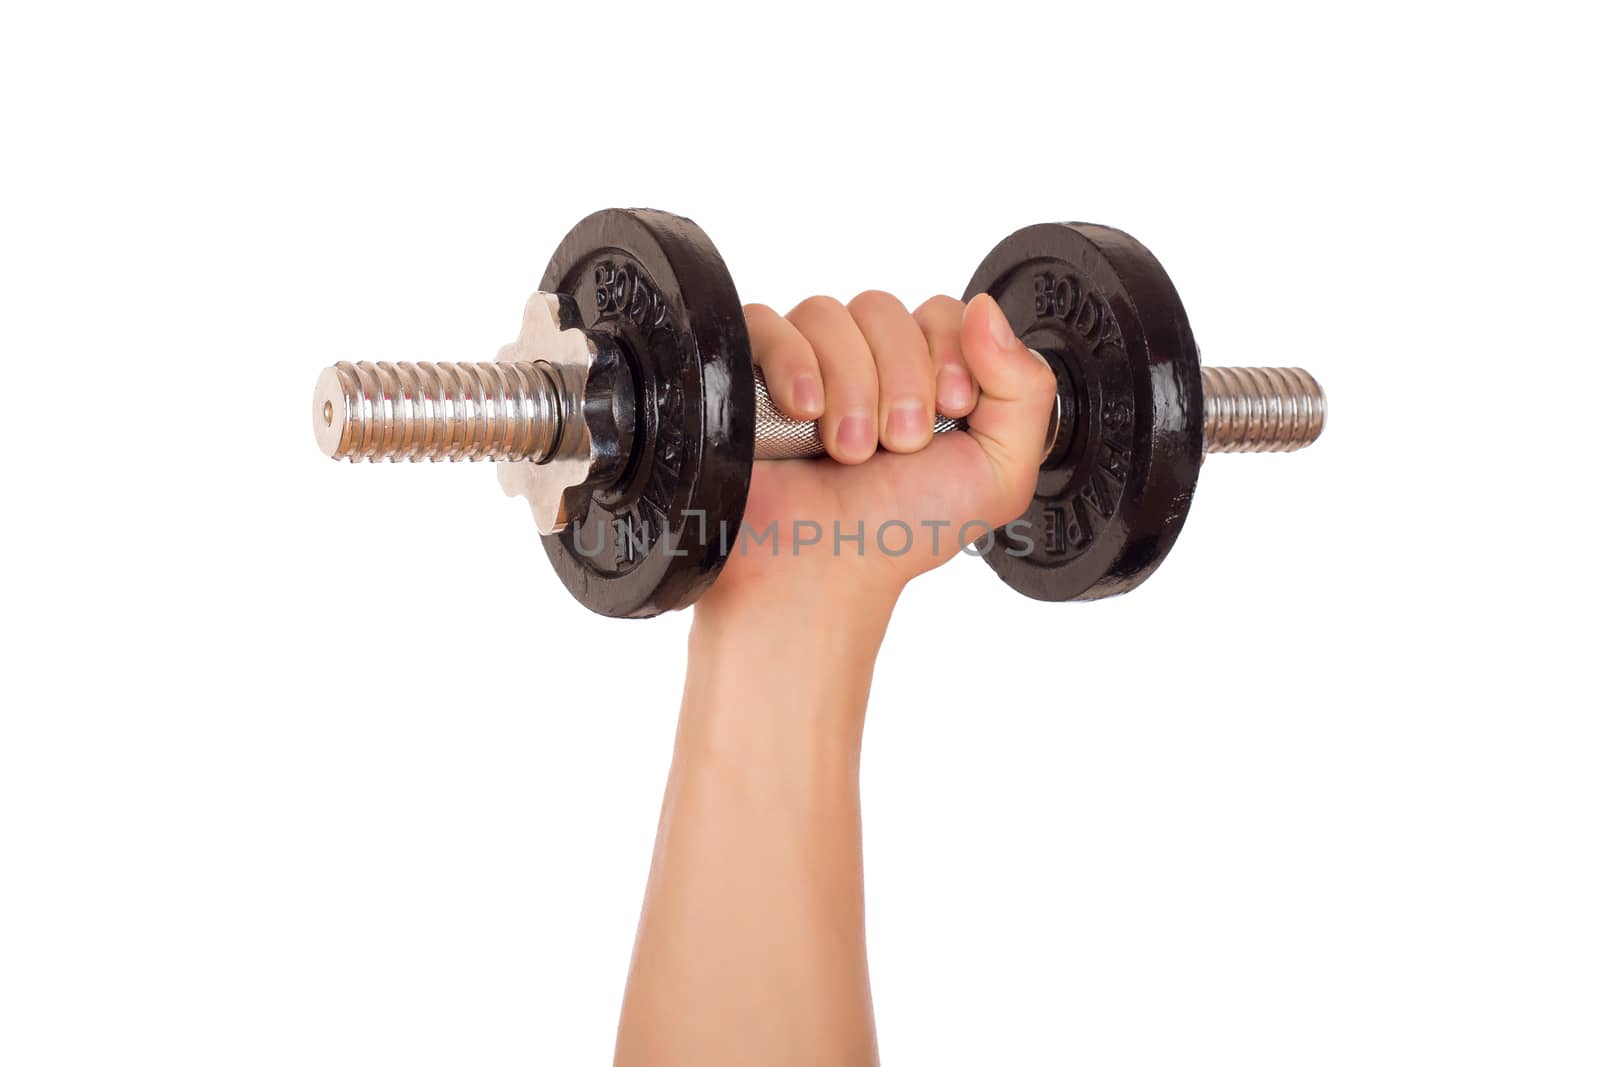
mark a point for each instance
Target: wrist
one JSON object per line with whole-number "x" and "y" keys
{"x": 788, "y": 669}
{"x": 787, "y": 605}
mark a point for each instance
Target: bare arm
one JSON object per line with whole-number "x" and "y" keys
{"x": 752, "y": 947}
{"x": 752, "y": 943}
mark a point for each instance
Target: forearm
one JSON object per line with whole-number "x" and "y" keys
{"x": 751, "y": 944}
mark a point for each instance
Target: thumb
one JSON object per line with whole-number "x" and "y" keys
{"x": 1016, "y": 396}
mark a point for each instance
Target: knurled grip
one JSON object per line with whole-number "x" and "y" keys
{"x": 780, "y": 437}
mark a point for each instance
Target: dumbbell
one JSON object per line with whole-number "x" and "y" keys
{"x": 629, "y": 412}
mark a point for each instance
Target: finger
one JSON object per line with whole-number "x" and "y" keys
{"x": 905, "y": 372}
{"x": 1016, "y": 394}
{"x": 940, "y": 319}
{"x": 786, "y": 360}
{"x": 849, "y": 378}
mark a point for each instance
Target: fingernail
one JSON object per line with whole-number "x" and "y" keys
{"x": 1000, "y": 329}
{"x": 908, "y": 422}
{"x": 855, "y": 434}
{"x": 955, "y": 388}
{"x": 808, "y": 395}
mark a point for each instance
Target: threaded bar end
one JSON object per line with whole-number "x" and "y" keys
{"x": 1261, "y": 409}
{"x": 437, "y": 411}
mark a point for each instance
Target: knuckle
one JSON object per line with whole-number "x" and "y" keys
{"x": 939, "y": 307}
{"x": 817, "y": 307}
{"x": 876, "y": 302}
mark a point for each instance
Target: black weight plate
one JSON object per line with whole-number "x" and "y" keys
{"x": 1113, "y": 495}
{"x": 650, "y": 542}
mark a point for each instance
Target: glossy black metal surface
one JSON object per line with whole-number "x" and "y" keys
{"x": 655, "y": 284}
{"x": 1114, "y": 493}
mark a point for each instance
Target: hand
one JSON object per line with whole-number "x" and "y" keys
{"x": 874, "y": 374}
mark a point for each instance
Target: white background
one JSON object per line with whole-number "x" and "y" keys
{"x": 312, "y": 764}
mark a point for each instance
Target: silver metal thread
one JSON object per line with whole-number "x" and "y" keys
{"x": 1261, "y": 409}
{"x": 437, "y": 411}
{"x": 513, "y": 411}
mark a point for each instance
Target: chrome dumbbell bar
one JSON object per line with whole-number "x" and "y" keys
{"x": 514, "y": 410}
